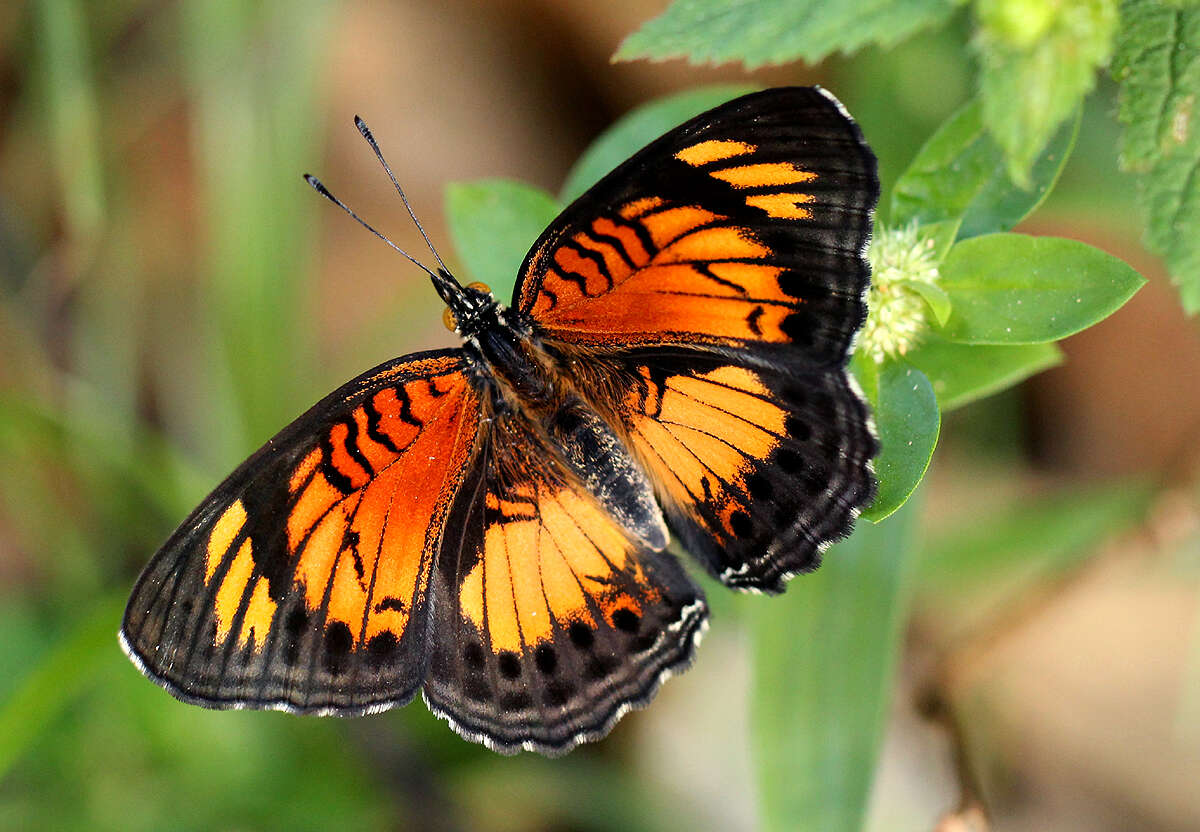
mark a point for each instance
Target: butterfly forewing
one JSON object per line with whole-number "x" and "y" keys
{"x": 554, "y": 620}
{"x": 743, "y": 228}
{"x": 302, "y": 582}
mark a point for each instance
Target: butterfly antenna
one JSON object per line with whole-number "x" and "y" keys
{"x": 323, "y": 191}
{"x": 366, "y": 134}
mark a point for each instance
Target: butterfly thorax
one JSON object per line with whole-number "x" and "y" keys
{"x": 521, "y": 377}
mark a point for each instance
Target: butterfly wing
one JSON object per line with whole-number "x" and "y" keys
{"x": 549, "y": 621}
{"x": 710, "y": 289}
{"x": 302, "y": 582}
{"x": 744, "y": 228}
{"x": 758, "y": 469}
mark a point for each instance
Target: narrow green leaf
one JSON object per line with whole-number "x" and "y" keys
{"x": 1158, "y": 65}
{"x": 960, "y": 174}
{"x": 638, "y": 128}
{"x": 62, "y": 675}
{"x": 1015, "y": 289}
{"x": 758, "y": 32}
{"x": 824, "y": 659}
{"x": 1038, "y": 61}
{"x": 145, "y": 474}
{"x": 493, "y": 223}
{"x": 962, "y": 373}
{"x": 907, "y": 420}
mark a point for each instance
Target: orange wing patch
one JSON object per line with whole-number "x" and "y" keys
{"x": 660, "y": 273}
{"x": 713, "y": 150}
{"x": 699, "y": 436}
{"x": 542, "y": 559}
{"x": 784, "y": 206}
{"x": 763, "y": 175}
{"x": 363, "y": 503}
{"x": 550, "y": 556}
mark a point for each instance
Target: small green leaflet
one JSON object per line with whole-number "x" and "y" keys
{"x": 1016, "y": 289}
{"x": 758, "y": 32}
{"x": 493, "y": 223}
{"x": 959, "y": 173}
{"x": 1158, "y": 65}
{"x": 1038, "y": 61}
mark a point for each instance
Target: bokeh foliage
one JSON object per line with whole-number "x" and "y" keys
{"x": 102, "y": 453}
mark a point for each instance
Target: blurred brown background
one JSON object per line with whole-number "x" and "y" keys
{"x": 1074, "y": 691}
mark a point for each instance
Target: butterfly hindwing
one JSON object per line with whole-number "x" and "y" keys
{"x": 550, "y": 621}
{"x": 301, "y": 583}
{"x": 757, "y": 469}
{"x": 744, "y": 228}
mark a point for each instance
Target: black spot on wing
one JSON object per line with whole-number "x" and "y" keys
{"x": 391, "y": 602}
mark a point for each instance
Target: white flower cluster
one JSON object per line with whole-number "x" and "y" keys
{"x": 897, "y": 316}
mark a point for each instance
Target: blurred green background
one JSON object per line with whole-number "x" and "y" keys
{"x": 171, "y": 294}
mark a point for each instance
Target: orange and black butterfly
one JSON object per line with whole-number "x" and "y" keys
{"x": 489, "y": 524}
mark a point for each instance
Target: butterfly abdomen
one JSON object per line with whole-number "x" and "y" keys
{"x": 593, "y": 452}
{"x": 528, "y": 379}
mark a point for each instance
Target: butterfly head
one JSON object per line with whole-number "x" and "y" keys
{"x": 469, "y": 308}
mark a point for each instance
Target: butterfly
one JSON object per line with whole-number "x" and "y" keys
{"x": 489, "y": 524}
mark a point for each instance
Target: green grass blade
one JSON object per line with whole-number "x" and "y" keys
{"x": 986, "y": 563}
{"x": 824, "y": 658}
{"x": 254, "y": 116}
{"x": 69, "y": 99}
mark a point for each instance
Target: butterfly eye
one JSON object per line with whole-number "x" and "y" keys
{"x": 449, "y": 320}
{"x": 480, "y": 287}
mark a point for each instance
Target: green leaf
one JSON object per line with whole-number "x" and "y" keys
{"x": 638, "y": 128}
{"x": 146, "y": 478}
{"x": 907, "y": 420}
{"x": 943, "y": 233}
{"x": 758, "y": 32}
{"x": 1015, "y": 289}
{"x": 1038, "y": 61}
{"x": 962, "y": 373}
{"x": 824, "y": 658}
{"x": 493, "y": 223}
{"x": 1158, "y": 65}
{"x": 959, "y": 174}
